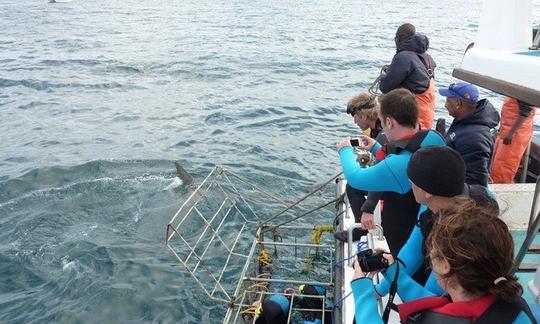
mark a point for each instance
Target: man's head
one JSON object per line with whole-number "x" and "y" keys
{"x": 403, "y": 32}
{"x": 436, "y": 171}
{"x": 461, "y": 98}
{"x": 398, "y": 113}
{"x": 364, "y": 108}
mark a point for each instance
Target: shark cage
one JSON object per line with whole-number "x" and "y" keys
{"x": 251, "y": 251}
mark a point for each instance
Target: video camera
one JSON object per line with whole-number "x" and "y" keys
{"x": 371, "y": 261}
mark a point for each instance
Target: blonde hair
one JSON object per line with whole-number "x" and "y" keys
{"x": 364, "y": 104}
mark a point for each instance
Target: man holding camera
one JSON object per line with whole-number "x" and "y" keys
{"x": 364, "y": 108}
{"x": 399, "y": 118}
{"x": 437, "y": 175}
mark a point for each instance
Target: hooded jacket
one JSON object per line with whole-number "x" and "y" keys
{"x": 471, "y": 137}
{"x": 408, "y": 68}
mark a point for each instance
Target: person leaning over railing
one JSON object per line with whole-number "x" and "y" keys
{"x": 399, "y": 120}
{"x": 364, "y": 108}
{"x": 471, "y": 251}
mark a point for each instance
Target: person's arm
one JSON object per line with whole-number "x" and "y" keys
{"x": 475, "y": 149}
{"x": 508, "y": 137}
{"x": 411, "y": 254}
{"x": 396, "y": 73}
{"x": 365, "y": 304}
{"x": 379, "y": 177}
{"x": 433, "y": 285}
{"x": 407, "y": 288}
{"x": 371, "y": 202}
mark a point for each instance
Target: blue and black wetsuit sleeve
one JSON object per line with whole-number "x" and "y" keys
{"x": 407, "y": 288}
{"x": 387, "y": 175}
{"x": 365, "y": 304}
{"x": 371, "y": 202}
{"x": 411, "y": 254}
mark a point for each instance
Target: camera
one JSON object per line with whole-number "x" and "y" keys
{"x": 355, "y": 142}
{"x": 371, "y": 261}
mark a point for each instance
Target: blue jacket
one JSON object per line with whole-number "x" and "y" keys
{"x": 389, "y": 174}
{"x": 366, "y": 310}
{"x": 407, "y": 69}
{"x": 471, "y": 137}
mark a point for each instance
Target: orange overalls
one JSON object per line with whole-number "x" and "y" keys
{"x": 506, "y": 158}
{"x": 426, "y": 105}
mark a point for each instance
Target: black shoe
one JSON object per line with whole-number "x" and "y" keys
{"x": 357, "y": 233}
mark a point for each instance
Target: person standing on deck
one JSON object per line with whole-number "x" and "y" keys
{"x": 399, "y": 119}
{"x": 517, "y": 119}
{"x": 364, "y": 108}
{"x": 470, "y": 131}
{"x": 413, "y": 69}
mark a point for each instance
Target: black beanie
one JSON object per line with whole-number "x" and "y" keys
{"x": 438, "y": 170}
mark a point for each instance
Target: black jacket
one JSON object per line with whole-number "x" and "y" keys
{"x": 409, "y": 67}
{"x": 471, "y": 137}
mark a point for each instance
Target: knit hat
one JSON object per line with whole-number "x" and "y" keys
{"x": 438, "y": 170}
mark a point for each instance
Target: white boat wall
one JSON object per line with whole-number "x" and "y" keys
{"x": 502, "y": 59}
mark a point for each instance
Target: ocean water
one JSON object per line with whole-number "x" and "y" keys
{"x": 99, "y": 98}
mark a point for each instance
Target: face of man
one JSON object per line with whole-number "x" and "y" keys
{"x": 419, "y": 194}
{"x": 361, "y": 121}
{"x": 453, "y": 106}
{"x": 387, "y": 127}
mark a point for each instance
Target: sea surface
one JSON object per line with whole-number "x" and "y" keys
{"x": 99, "y": 98}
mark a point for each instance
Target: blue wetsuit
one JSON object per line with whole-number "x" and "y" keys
{"x": 366, "y": 310}
{"x": 412, "y": 253}
{"x": 389, "y": 174}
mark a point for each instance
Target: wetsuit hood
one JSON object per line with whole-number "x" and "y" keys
{"x": 418, "y": 43}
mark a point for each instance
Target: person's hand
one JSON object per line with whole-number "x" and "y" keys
{"x": 358, "y": 273}
{"x": 343, "y": 143}
{"x": 385, "y": 67}
{"x": 507, "y": 140}
{"x": 366, "y": 142}
{"x": 367, "y": 221}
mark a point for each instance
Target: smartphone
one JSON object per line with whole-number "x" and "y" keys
{"x": 355, "y": 142}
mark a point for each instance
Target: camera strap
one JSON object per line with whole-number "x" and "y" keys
{"x": 393, "y": 290}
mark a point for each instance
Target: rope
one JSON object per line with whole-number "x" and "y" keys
{"x": 374, "y": 88}
{"x": 271, "y": 228}
{"x": 316, "y": 239}
{"x": 264, "y": 258}
{"x": 317, "y": 232}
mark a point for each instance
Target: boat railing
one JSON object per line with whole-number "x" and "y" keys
{"x": 532, "y": 230}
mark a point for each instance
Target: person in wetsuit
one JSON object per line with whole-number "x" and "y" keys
{"x": 413, "y": 69}
{"x": 471, "y": 251}
{"x": 399, "y": 117}
{"x": 364, "y": 108}
{"x": 437, "y": 175}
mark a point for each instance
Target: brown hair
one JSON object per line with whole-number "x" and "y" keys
{"x": 364, "y": 104}
{"x": 405, "y": 31}
{"x": 479, "y": 248}
{"x": 401, "y": 105}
